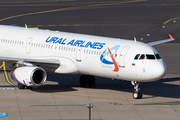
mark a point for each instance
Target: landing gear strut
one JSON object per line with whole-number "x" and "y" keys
{"x": 87, "y": 79}
{"x": 20, "y": 86}
{"x": 137, "y": 94}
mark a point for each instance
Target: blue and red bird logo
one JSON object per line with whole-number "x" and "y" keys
{"x": 112, "y": 61}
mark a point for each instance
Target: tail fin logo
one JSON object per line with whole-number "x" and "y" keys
{"x": 112, "y": 60}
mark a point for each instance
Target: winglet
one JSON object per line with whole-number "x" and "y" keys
{"x": 161, "y": 41}
{"x": 171, "y": 37}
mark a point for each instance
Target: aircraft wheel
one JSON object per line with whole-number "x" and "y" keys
{"x": 83, "y": 80}
{"x": 29, "y": 87}
{"x": 91, "y": 80}
{"x": 137, "y": 95}
{"x": 20, "y": 86}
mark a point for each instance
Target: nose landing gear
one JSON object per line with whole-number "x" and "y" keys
{"x": 137, "y": 94}
{"x": 87, "y": 80}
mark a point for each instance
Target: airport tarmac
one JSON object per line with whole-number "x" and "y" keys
{"x": 61, "y": 97}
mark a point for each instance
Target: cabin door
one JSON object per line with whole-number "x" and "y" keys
{"x": 78, "y": 54}
{"x": 122, "y": 56}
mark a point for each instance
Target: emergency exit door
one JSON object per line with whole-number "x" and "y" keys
{"x": 28, "y": 45}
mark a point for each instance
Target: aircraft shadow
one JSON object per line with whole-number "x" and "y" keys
{"x": 166, "y": 87}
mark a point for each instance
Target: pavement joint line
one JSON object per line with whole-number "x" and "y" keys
{"x": 94, "y": 111}
{"x": 97, "y": 105}
{"x": 104, "y": 98}
{"x": 148, "y": 102}
{"x": 49, "y": 103}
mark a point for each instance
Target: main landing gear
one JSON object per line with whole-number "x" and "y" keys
{"x": 20, "y": 86}
{"x": 137, "y": 94}
{"x": 87, "y": 80}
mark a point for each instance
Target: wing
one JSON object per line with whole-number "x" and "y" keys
{"x": 49, "y": 65}
{"x": 161, "y": 41}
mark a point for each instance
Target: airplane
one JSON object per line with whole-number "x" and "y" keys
{"x": 31, "y": 53}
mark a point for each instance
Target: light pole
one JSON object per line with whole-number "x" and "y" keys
{"x": 89, "y": 106}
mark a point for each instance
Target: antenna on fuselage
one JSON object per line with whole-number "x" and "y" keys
{"x": 25, "y": 26}
{"x": 135, "y": 39}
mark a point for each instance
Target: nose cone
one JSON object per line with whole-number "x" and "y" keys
{"x": 158, "y": 70}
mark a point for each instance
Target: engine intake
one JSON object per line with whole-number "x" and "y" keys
{"x": 29, "y": 76}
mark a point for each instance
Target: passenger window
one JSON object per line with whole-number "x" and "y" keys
{"x": 136, "y": 57}
{"x": 152, "y": 57}
{"x": 158, "y": 56}
{"x": 92, "y": 52}
{"x": 142, "y": 57}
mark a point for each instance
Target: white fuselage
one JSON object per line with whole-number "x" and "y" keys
{"x": 85, "y": 54}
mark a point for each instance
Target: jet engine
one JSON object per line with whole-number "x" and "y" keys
{"x": 29, "y": 76}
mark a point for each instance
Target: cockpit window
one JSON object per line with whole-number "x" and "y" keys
{"x": 142, "y": 57}
{"x": 148, "y": 56}
{"x": 137, "y": 56}
{"x": 158, "y": 56}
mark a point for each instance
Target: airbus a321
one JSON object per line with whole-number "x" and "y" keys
{"x": 33, "y": 52}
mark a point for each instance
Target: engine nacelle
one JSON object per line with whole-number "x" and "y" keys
{"x": 29, "y": 76}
